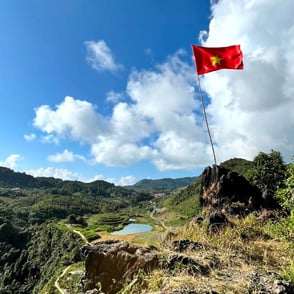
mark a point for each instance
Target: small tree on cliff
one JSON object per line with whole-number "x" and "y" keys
{"x": 269, "y": 175}
{"x": 286, "y": 195}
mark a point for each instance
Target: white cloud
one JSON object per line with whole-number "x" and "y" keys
{"x": 11, "y": 161}
{"x": 252, "y": 110}
{"x": 114, "y": 96}
{"x": 58, "y": 173}
{"x": 50, "y": 139}
{"x": 65, "y": 156}
{"x": 30, "y": 137}
{"x": 161, "y": 121}
{"x": 95, "y": 178}
{"x": 126, "y": 181}
{"x": 100, "y": 57}
{"x": 101, "y": 178}
{"x": 68, "y": 175}
{"x": 160, "y": 110}
{"x": 72, "y": 118}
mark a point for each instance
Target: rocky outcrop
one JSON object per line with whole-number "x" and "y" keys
{"x": 269, "y": 283}
{"x": 225, "y": 190}
{"x": 112, "y": 264}
{"x": 186, "y": 245}
{"x": 177, "y": 263}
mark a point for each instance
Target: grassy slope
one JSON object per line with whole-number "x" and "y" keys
{"x": 184, "y": 201}
{"x": 232, "y": 257}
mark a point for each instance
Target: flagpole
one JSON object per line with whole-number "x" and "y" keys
{"x": 205, "y": 117}
{"x": 210, "y": 60}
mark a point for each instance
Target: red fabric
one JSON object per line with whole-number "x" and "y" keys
{"x": 230, "y": 57}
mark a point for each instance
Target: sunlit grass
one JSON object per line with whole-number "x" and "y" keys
{"x": 245, "y": 246}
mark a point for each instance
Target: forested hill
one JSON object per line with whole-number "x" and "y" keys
{"x": 12, "y": 179}
{"x": 162, "y": 184}
{"x": 239, "y": 165}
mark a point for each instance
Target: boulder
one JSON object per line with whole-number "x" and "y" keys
{"x": 113, "y": 263}
{"x": 185, "y": 245}
{"x": 269, "y": 283}
{"x": 225, "y": 190}
{"x": 177, "y": 263}
{"x": 216, "y": 220}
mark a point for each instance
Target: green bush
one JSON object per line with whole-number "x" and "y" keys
{"x": 286, "y": 195}
{"x": 269, "y": 175}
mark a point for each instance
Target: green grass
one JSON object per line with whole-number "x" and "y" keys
{"x": 106, "y": 220}
{"x": 248, "y": 245}
{"x": 71, "y": 280}
{"x": 90, "y": 234}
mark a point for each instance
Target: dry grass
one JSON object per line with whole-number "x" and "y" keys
{"x": 233, "y": 255}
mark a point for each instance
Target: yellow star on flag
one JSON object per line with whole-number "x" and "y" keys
{"x": 215, "y": 60}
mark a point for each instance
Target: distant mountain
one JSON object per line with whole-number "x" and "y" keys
{"x": 239, "y": 165}
{"x": 162, "y": 184}
{"x": 12, "y": 179}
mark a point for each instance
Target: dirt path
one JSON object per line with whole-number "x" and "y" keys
{"x": 81, "y": 235}
{"x": 56, "y": 284}
{"x": 161, "y": 222}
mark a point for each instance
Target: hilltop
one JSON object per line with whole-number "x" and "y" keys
{"x": 165, "y": 184}
{"x": 42, "y": 221}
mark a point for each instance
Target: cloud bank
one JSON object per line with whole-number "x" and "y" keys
{"x": 160, "y": 118}
{"x": 252, "y": 110}
{"x": 157, "y": 122}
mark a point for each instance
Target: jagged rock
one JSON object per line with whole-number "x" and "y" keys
{"x": 225, "y": 190}
{"x": 216, "y": 221}
{"x": 270, "y": 284}
{"x": 183, "y": 245}
{"x": 113, "y": 263}
{"x": 177, "y": 263}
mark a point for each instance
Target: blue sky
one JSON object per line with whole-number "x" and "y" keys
{"x": 107, "y": 89}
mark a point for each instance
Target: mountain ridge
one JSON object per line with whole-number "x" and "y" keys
{"x": 12, "y": 179}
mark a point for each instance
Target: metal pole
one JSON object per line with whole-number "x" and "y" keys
{"x": 205, "y": 117}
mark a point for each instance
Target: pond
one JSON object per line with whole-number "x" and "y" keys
{"x": 133, "y": 229}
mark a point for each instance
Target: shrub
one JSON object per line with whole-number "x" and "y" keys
{"x": 286, "y": 195}
{"x": 269, "y": 175}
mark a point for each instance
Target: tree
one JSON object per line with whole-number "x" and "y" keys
{"x": 269, "y": 175}
{"x": 286, "y": 195}
{"x": 72, "y": 219}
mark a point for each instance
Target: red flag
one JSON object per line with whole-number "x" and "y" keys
{"x": 209, "y": 59}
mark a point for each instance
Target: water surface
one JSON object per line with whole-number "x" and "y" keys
{"x": 133, "y": 229}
